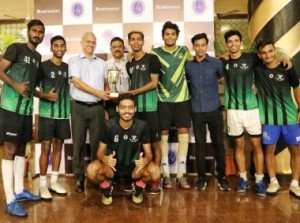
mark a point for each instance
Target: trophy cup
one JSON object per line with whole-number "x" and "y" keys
{"x": 113, "y": 76}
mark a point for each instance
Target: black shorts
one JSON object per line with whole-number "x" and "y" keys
{"x": 15, "y": 127}
{"x": 174, "y": 114}
{"x": 124, "y": 171}
{"x": 50, "y": 128}
{"x": 151, "y": 118}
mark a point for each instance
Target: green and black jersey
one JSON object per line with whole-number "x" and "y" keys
{"x": 55, "y": 77}
{"x": 172, "y": 82}
{"x": 276, "y": 105}
{"x": 239, "y": 79}
{"x": 125, "y": 142}
{"x": 140, "y": 72}
{"x": 24, "y": 68}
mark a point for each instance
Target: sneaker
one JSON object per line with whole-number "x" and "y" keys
{"x": 167, "y": 183}
{"x": 273, "y": 188}
{"x": 154, "y": 188}
{"x": 107, "y": 195}
{"x": 26, "y": 195}
{"x": 260, "y": 189}
{"x": 201, "y": 184}
{"x": 223, "y": 184}
{"x": 295, "y": 191}
{"x": 137, "y": 196}
{"x": 129, "y": 189}
{"x": 242, "y": 186}
{"x": 15, "y": 209}
{"x": 57, "y": 188}
{"x": 183, "y": 183}
{"x": 44, "y": 193}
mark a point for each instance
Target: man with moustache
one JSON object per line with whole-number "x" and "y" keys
{"x": 19, "y": 72}
{"x": 87, "y": 79}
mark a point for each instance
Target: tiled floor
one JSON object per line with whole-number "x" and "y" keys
{"x": 173, "y": 205}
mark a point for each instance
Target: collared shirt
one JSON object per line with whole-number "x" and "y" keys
{"x": 124, "y": 81}
{"x": 90, "y": 72}
{"x": 203, "y": 83}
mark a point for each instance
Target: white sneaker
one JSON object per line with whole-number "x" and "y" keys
{"x": 57, "y": 188}
{"x": 295, "y": 191}
{"x": 44, "y": 193}
{"x": 273, "y": 188}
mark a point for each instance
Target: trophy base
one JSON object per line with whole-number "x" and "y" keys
{"x": 114, "y": 94}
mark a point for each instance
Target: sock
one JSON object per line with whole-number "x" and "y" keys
{"x": 54, "y": 177}
{"x": 274, "y": 180}
{"x": 19, "y": 168}
{"x": 43, "y": 181}
{"x": 294, "y": 183}
{"x": 105, "y": 184}
{"x": 181, "y": 166}
{"x": 140, "y": 183}
{"x": 8, "y": 179}
{"x": 243, "y": 175}
{"x": 164, "y": 153}
{"x": 258, "y": 177}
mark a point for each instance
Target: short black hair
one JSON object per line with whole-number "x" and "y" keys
{"x": 232, "y": 32}
{"x": 199, "y": 36}
{"x": 58, "y": 37}
{"x": 135, "y": 31}
{"x": 262, "y": 43}
{"x": 170, "y": 25}
{"x": 35, "y": 22}
{"x": 116, "y": 39}
{"x": 125, "y": 96}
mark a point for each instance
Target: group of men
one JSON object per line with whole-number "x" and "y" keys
{"x": 166, "y": 87}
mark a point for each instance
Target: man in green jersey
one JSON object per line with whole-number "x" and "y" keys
{"x": 54, "y": 112}
{"x": 173, "y": 101}
{"x": 278, "y": 112}
{"x": 144, "y": 70}
{"x": 18, "y": 71}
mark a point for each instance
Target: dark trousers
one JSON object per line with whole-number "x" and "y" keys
{"x": 85, "y": 118}
{"x": 214, "y": 120}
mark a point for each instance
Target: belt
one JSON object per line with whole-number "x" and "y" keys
{"x": 90, "y": 104}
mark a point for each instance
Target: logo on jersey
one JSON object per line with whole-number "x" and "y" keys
{"x": 133, "y": 138}
{"x": 131, "y": 70}
{"x": 143, "y": 67}
{"x": 279, "y": 77}
{"x": 227, "y": 67}
{"x": 180, "y": 56}
{"x": 244, "y": 66}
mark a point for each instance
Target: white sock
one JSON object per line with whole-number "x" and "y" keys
{"x": 43, "y": 181}
{"x": 19, "y": 168}
{"x": 181, "y": 166}
{"x": 274, "y": 180}
{"x": 8, "y": 179}
{"x": 294, "y": 183}
{"x": 54, "y": 177}
{"x": 165, "y": 166}
{"x": 243, "y": 175}
{"x": 258, "y": 177}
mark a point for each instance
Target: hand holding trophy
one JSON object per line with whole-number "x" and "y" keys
{"x": 113, "y": 76}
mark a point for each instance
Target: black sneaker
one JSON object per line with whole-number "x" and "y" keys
{"x": 137, "y": 196}
{"x": 201, "y": 184}
{"x": 223, "y": 184}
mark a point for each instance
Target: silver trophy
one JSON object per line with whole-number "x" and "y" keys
{"x": 113, "y": 76}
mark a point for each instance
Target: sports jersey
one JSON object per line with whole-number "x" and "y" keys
{"x": 24, "y": 68}
{"x": 140, "y": 72}
{"x": 276, "y": 105}
{"x": 53, "y": 76}
{"x": 239, "y": 77}
{"x": 125, "y": 142}
{"x": 172, "y": 85}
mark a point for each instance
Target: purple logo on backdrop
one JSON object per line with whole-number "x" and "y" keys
{"x": 47, "y": 38}
{"x": 172, "y": 157}
{"x": 137, "y": 7}
{"x": 199, "y": 6}
{"x": 77, "y": 9}
{"x": 107, "y": 35}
